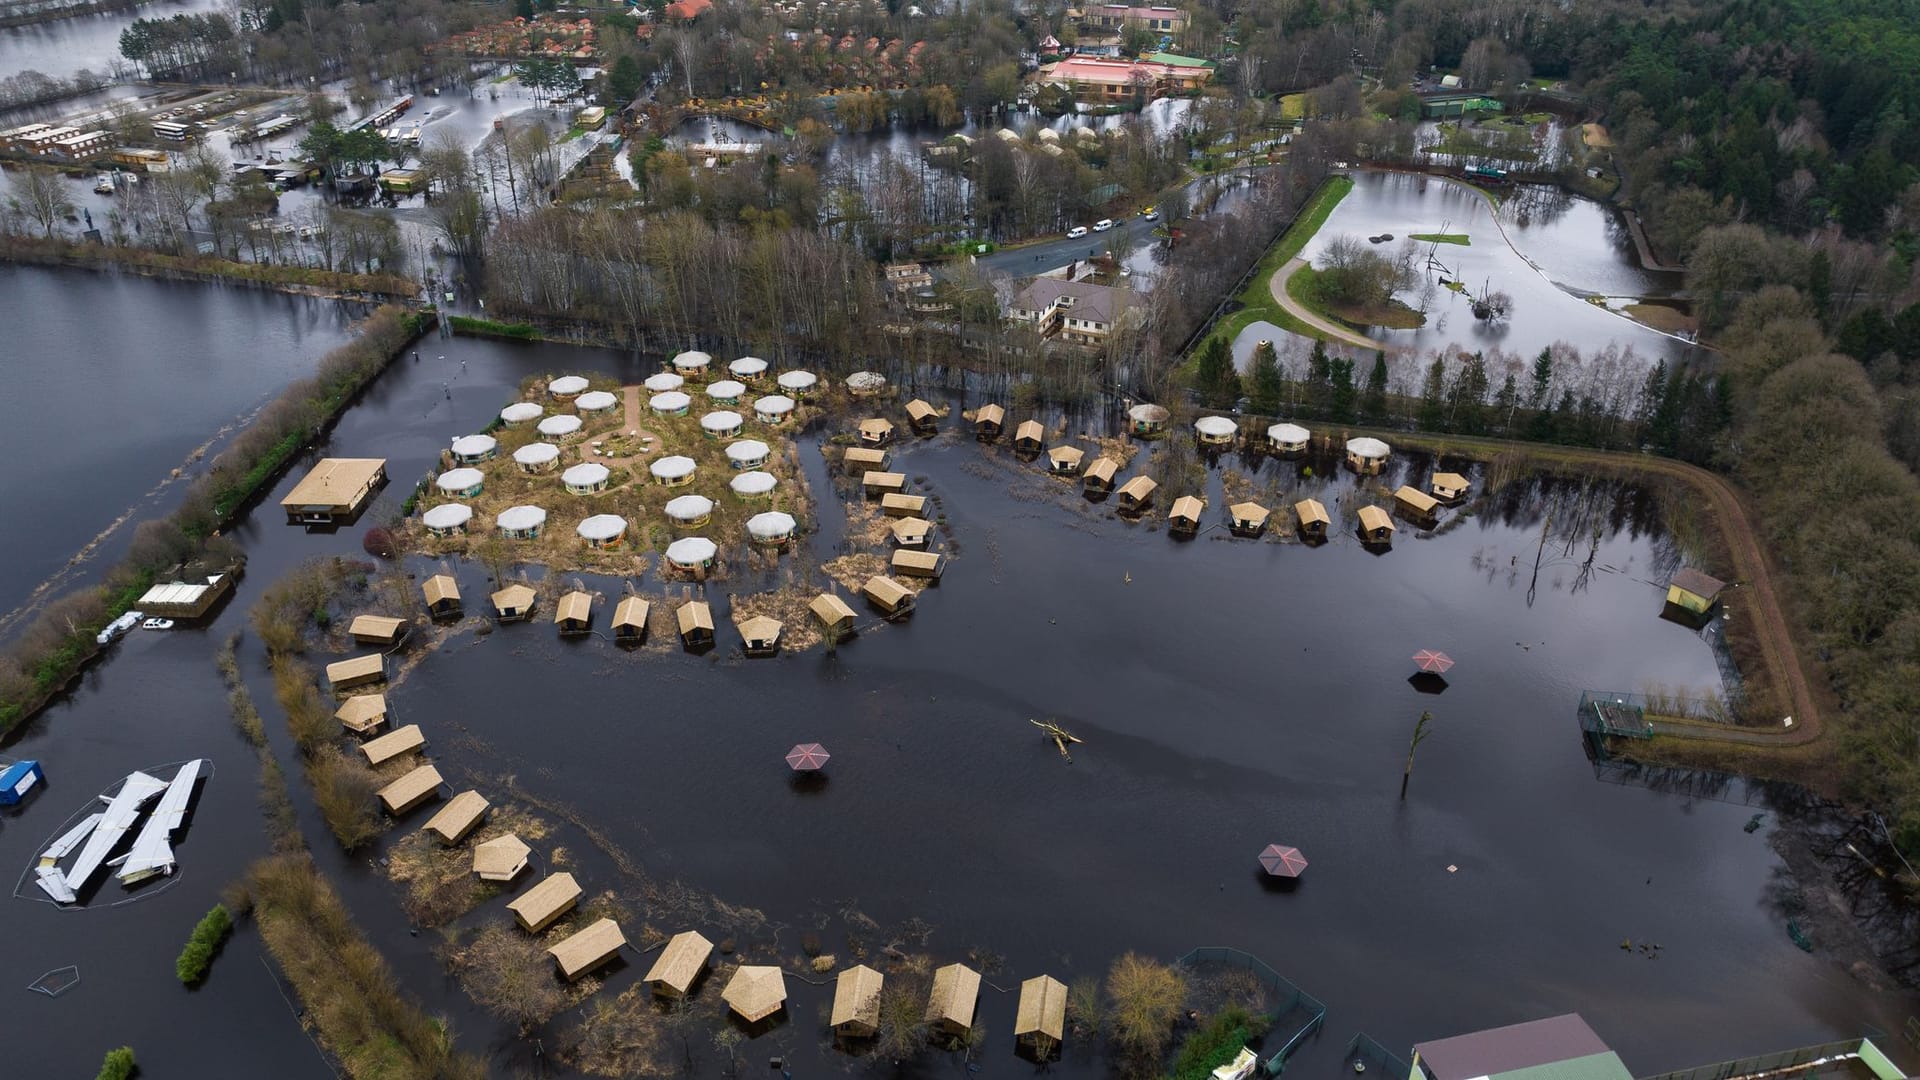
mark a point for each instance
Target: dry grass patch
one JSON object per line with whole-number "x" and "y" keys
{"x": 625, "y": 1036}
{"x": 852, "y": 571}
{"x": 438, "y": 881}
{"x": 799, "y": 629}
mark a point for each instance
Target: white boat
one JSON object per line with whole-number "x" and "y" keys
{"x": 1241, "y": 1067}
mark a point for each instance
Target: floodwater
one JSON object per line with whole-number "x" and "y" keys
{"x": 114, "y": 381}
{"x": 1544, "y": 313}
{"x": 1579, "y": 243}
{"x": 1230, "y": 694}
{"x": 64, "y": 46}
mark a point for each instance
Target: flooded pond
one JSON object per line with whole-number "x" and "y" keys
{"x": 64, "y": 46}
{"x": 1230, "y": 694}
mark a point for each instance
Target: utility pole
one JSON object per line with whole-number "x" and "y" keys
{"x": 1420, "y": 734}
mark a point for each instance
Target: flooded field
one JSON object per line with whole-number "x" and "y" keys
{"x": 1229, "y": 693}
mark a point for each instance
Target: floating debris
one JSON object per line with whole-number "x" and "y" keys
{"x": 56, "y": 982}
{"x": 1753, "y": 823}
{"x": 1060, "y": 736}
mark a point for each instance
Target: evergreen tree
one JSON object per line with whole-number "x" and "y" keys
{"x": 1506, "y": 402}
{"x": 1269, "y": 385}
{"x": 1467, "y": 397}
{"x": 1538, "y": 397}
{"x": 1318, "y": 384}
{"x": 1373, "y": 406}
{"x": 1650, "y": 411}
{"x": 1433, "y": 397}
{"x": 1341, "y": 390}
{"x": 1213, "y": 374}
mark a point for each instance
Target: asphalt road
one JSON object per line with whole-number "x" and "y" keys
{"x": 1033, "y": 258}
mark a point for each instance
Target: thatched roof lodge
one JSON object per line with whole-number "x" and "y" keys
{"x": 474, "y": 449}
{"x": 876, "y": 431}
{"x": 922, "y": 416}
{"x": 1367, "y": 455}
{"x": 447, "y": 519}
{"x": 955, "y": 996}
{"x": 1375, "y": 526}
{"x": 895, "y": 504}
{"x": 521, "y": 522}
{"x": 755, "y": 992}
{"x": 541, "y": 906}
{"x": 1184, "y": 518}
{"x": 377, "y": 629}
{"x": 461, "y": 483}
{"x": 772, "y": 527}
{"x": 403, "y": 740}
{"x": 1313, "y": 518}
{"x": 911, "y": 532}
{"x": 876, "y": 482}
{"x": 674, "y": 470}
{"x": 856, "y": 1002}
{"x": 920, "y": 564}
{"x": 1147, "y": 420}
{"x": 501, "y": 858}
{"x": 691, "y": 364}
{"x": 761, "y": 635}
{"x": 836, "y": 618}
{"x": 1030, "y": 437}
{"x": 753, "y": 485}
{"x": 689, "y": 511}
{"x": 1248, "y": 518}
{"x": 1417, "y": 505}
{"x": 586, "y": 478}
{"x": 663, "y": 382}
{"x": 334, "y": 490}
{"x": 588, "y": 949}
{"x": 988, "y": 421}
{"x": 1288, "y": 439}
{"x": 1215, "y": 432}
{"x": 357, "y": 671}
{"x": 536, "y": 457}
{"x": 574, "y": 613}
{"x": 1449, "y": 487}
{"x": 513, "y": 603}
{"x": 1137, "y": 494}
{"x": 773, "y": 410}
{"x": 1041, "y": 1019}
{"x": 680, "y": 964}
{"x": 695, "y": 620}
{"x": 462, "y": 814}
{"x": 442, "y": 594}
{"x": 692, "y": 555}
{"x": 630, "y": 620}
{"x": 521, "y": 413}
{"x": 568, "y": 386}
{"x": 860, "y": 459}
{"x": 892, "y": 598}
{"x": 1065, "y": 460}
{"x": 410, "y": 790}
{"x": 362, "y": 713}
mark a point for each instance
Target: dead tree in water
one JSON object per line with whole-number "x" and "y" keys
{"x": 1420, "y": 734}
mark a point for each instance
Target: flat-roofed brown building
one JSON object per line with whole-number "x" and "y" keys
{"x": 334, "y": 490}
{"x": 541, "y": 906}
{"x": 587, "y": 949}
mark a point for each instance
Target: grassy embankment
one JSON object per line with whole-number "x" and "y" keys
{"x": 1256, "y": 300}
{"x": 53, "y": 251}
{"x": 1305, "y": 287}
{"x": 1459, "y": 238}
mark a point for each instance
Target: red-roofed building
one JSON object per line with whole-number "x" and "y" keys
{"x": 688, "y": 10}
{"x": 1093, "y": 79}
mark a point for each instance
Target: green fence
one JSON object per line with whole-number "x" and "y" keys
{"x": 1298, "y": 1013}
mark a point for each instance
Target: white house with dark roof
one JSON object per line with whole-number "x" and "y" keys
{"x": 1076, "y": 311}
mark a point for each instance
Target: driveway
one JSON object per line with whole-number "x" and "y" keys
{"x": 1329, "y": 329}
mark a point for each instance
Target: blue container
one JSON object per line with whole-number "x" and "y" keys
{"x": 18, "y": 779}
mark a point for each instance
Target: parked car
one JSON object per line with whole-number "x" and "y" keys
{"x": 1076, "y": 232}
{"x": 113, "y": 630}
{"x": 1151, "y": 213}
{"x": 1103, "y": 225}
{"x": 157, "y": 624}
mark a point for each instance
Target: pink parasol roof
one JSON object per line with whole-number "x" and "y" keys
{"x": 1282, "y": 861}
{"x": 807, "y": 757}
{"x": 1430, "y": 660}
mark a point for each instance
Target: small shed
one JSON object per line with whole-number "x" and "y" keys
{"x": 1376, "y": 527}
{"x": 513, "y": 603}
{"x": 601, "y": 531}
{"x": 1215, "y": 432}
{"x": 1137, "y": 494}
{"x": 748, "y": 454}
{"x": 689, "y": 511}
{"x": 911, "y": 532}
{"x": 562, "y": 428}
{"x": 919, "y": 564}
{"x": 1030, "y": 437}
{"x": 761, "y": 635}
{"x": 362, "y": 713}
{"x": 501, "y": 858}
{"x": 521, "y": 522}
{"x": 774, "y": 409}
{"x": 749, "y": 369}
{"x": 836, "y": 618}
{"x": 1288, "y": 439}
{"x": 672, "y": 471}
{"x": 574, "y": 613}
{"x": 1065, "y": 460}
{"x": 695, "y": 619}
{"x": 588, "y": 949}
{"x": 586, "y": 478}
{"x": 774, "y": 528}
{"x": 474, "y": 449}
{"x": 358, "y": 671}
{"x": 856, "y": 1002}
{"x": 595, "y": 403}
{"x": 1367, "y": 455}
{"x": 462, "y": 814}
{"x": 1040, "y": 1021}
{"x": 568, "y": 386}
{"x": 892, "y": 598}
{"x": 1146, "y": 420}
{"x": 536, "y": 457}
{"x": 922, "y": 416}
{"x": 753, "y": 485}
{"x": 670, "y": 403}
{"x": 1417, "y": 505}
{"x": 859, "y": 459}
{"x": 447, "y": 519}
{"x": 721, "y": 424}
{"x": 988, "y": 422}
{"x": 880, "y": 483}
{"x": 411, "y": 790}
{"x": 876, "y": 431}
{"x": 895, "y": 504}
{"x": 1248, "y": 518}
{"x": 442, "y": 594}
{"x": 377, "y": 629}
{"x": 1313, "y": 519}
{"x": 19, "y": 778}
{"x": 798, "y": 383}
{"x": 541, "y": 906}
{"x": 680, "y": 964}
{"x": 521, "y": 413}
{"x": 630, "y": 620}
{"x": 1449, "y": 487}
{"x": 393, "y": 744}
{"x": 462, "y": 483}
{"x": 663, "y": 382}
{"x": 1100, "y": 474}
{"x": 692, "y": 555}
{"x": 955, "y": 996}
{"x": 755, "y": 992}
{"x": 1693, "y": 591}
{"x": 866, "y": 383}
{"x": 1184, "y": 518}
{"x": 691, "y": 364}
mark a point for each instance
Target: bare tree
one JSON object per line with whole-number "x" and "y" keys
{"x": 39, "y": 193}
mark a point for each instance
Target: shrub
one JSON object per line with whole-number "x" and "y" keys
{"x": 119, "y": 1065}
{"x": 205, "y": 941}
{"x": 1147, "y": 996}
{"x": 1213, "y": 1045}
{"x": 344, "y": 789}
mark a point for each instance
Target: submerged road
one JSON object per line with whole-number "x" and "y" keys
{"x": 1333, "y": 331}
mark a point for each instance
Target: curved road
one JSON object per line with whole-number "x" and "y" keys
{"x": 1331, "y": 330}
